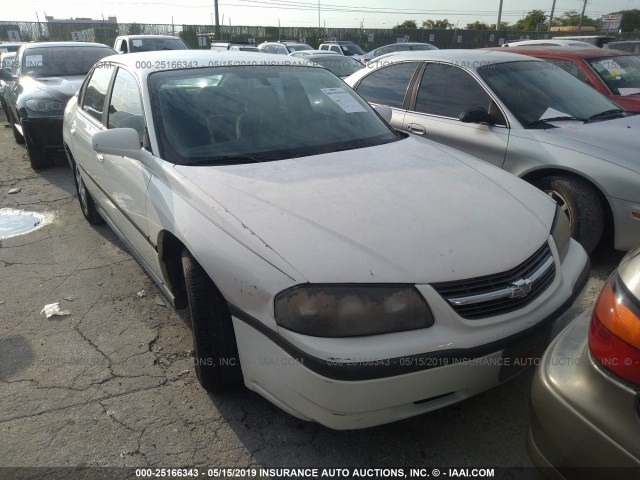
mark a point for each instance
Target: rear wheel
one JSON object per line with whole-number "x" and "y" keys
{"x": 87, "y": 204}
{"x": 216, "y": 359}
{"x": 580, "y": 202}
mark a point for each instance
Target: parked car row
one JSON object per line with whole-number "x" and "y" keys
{"x": 358, "y": 236}
{"x": 518, "y": 114}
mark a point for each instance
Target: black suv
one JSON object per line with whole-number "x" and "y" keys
{"x": 43, "y": 79}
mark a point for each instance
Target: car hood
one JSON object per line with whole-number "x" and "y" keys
{"x": 61, "y": 88}
{"x": 406, "y": 212}
{"x": 613, "y": 140}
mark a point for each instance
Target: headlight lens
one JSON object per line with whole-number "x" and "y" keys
{"x": 44, "y": 105}
{"x": 561, "y": 233}
{"x": 351, "y": 310}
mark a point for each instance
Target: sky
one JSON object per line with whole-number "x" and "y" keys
{"x": 300, "y": 13}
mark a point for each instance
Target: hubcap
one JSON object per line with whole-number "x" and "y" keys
{"x": 563, "y": 204}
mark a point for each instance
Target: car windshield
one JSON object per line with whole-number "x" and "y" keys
{"x": 534, "y": 91}
{"x": 7, "y": 60}
{"x": 352, "y": 49}
{"x": 155, "y": 44}
{"x": 259, "y": 113}
{"x": 296, "y": 48}
{"x": 621, "y": 74}
{"x": 63, "y": 61}
{"x": 339, "y": 65}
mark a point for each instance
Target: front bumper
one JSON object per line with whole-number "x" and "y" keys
{"x": 368, "y": 393}
{"x": 585, "y": 424}
{"x": 46, "y": 132}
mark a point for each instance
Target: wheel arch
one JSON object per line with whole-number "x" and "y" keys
{"x": 609, "y": 223}
{"x": 170, "y": 250}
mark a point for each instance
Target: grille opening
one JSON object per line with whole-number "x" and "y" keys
{"x": 492, "y": 283}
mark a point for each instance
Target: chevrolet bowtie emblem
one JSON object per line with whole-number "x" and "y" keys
{"x": 520, "y": 288}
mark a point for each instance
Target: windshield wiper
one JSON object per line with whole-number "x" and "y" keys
{"x": 544, "y": 121}
{"x": 613, "y": 113}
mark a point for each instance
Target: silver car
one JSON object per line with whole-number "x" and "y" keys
{"x": 584, "y": 401}
{"x": 528, "y": 117}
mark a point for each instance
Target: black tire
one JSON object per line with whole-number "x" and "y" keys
{"x": 16, "y": 134}
{"x": 36, "y": 153}
{"x": 216, "y": 359}
{"x": 87, "y": 205}
{"x": 581, "y": 203}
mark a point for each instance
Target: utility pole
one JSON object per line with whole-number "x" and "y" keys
{"x": 499, "y": 16}
{"x": 217, "y": 29}
{"x": 318, "y": 13}
{"x": 584, "y": 6}
{"x": 553, "y": 9}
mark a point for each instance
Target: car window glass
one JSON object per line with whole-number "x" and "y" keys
{"x": 275, "y": 112}
{"x": 94, "y": 94}
{"x": 621, "y": 74}
{"x": 125, "y": 106}
{"x": 532, "y": 91}
{"x": 336, "y": 48}
{"x": 448, "y": 91}
{"x": 64, "y": 61}
{"x": 385, "y": 50}
{"x": 281, "y": 50}
{"x": 568, "y": 66}
{"x": 388, "y": 85}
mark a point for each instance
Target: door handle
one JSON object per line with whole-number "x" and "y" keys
{"x": 416, "y": 129}
{"x": 100, "y": 157}
{"x": 72, "y": 130}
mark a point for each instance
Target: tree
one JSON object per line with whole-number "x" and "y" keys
{"x": 478, "y": 25}
{"x": 443, "y": 24}
{"x": 135, "y": 29}
{"x": 407, "y": 24}
{"x": 571, "y": 18}
{"x": 534, "y": 20}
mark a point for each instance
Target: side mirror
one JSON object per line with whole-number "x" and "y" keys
{"x": 384, "y": 111}
{"x": 475, "y": 115}
{"x": 123, "y": 142}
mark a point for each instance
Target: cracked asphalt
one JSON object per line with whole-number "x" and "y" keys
{"x": 112, "y": 383}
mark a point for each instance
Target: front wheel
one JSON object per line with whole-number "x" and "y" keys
{"x": 216, "y": 359}
{"x": 581, "y": 203}
{"x": 17, "y": 136}
{"x": 35, "y": 152}
{"x": 87, "y": 204}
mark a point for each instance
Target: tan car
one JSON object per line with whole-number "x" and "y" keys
{"x": 585, "y": 415}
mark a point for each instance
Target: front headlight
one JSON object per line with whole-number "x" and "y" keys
{"x": 42, "y": 105}
{"x": 561, "y": 233}
{"x": 351, "y": 310}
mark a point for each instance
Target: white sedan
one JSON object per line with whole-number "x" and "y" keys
{"x": 350, "y": 274}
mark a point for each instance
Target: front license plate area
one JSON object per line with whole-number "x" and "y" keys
{"x": 524, "y": 353}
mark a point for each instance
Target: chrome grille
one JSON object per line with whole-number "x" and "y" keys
{"x": 504, "y": 292}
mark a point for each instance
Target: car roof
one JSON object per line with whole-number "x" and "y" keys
{"x": 64, "y": 44}
{"x": 472, "y": 59}
{"x": 567, "y": 52}
{"x": 145, "y": 63}
{"x": 148, "y": 36}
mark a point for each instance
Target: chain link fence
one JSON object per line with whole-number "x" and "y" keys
{"x": 107, "y": 31}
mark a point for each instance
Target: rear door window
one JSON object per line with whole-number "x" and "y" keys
{"x": 388, "y": 85}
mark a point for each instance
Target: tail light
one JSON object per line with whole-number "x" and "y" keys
{"x": 614, "y": 333}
